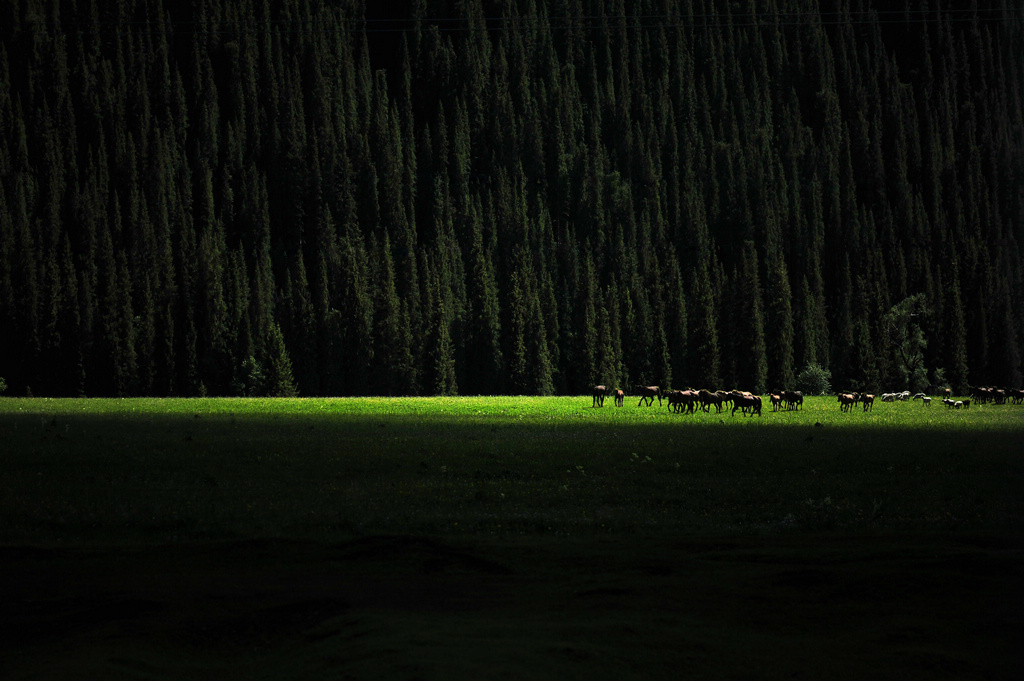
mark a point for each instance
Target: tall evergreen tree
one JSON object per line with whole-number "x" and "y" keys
{"x": 483, "y": 372}
{"x": 778, "y": 322}
{"x": 393, "y": 370}
{"x": 955, "y": 334}
{"x": 749, "y": 347}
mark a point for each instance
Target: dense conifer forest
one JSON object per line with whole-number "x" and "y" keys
{"x": 248, "y": 197}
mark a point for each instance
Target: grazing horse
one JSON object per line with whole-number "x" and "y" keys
{"x": 599, "y": 392}
{"x": 647, "y": 394}
{"x": 620, "y": 397}
{"x": 776, "y": 401}
{"x": 868, "y": 401}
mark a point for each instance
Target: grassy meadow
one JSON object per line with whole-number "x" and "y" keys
{"x": 499, "y": 537}
{"x": 169, "y": 470}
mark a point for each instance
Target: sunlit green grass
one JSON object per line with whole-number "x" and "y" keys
{"x": 176, "y": 469}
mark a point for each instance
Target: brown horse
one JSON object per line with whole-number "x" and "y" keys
{"x": 620, "y": 397}
{"x": 683, "y": 400}
{"x": 599, "y": 392}
{"x": 847, "y": 400}
{"x": 745, "y": 401}
{"x": 647, "y": 394}
{"x": 794, "y": 399}
{"x": 868, "y": 401}
{"x": 707, "y": 398}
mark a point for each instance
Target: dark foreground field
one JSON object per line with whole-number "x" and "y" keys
{"x": 506, "y": 539}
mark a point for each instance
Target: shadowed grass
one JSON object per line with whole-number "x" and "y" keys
{"x": 441, "y": 538}
{"x": 85, "y": 470}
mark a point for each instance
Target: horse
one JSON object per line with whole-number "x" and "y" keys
{"x": 647, "y": 394}
{"x": 745, "y": 401}
{"x": 982, "y": 395}
{"x": 707, "y": 398}
{"x": 725, "y": 396}
{"x": 794, "y": 399}
{"x": 682, "y": 400}
{"x": 599, "y": 392}
{"x": 868, "y": 402}
{"x": 620, "y": 397}
{"x": 847, "y": 400}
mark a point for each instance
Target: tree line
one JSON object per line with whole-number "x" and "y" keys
{"x": 508, "y": 196}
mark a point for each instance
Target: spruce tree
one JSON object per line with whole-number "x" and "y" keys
{"x": 278, "y": 380}
{"x": 955, "y": 334}
{"x": 352, "y": 355}
{"x": 394, "y": 371}
{"x": 484, "y": 358}
{"x": 440, "y": 358}
{"x": 704, "y": 349}
{"x": 749, "y": 347}
{"x": 587, "y": 331}
{"x": 303, "y": 346}
{"x": 211, "y": 310}
{"x": 779, "y": 323}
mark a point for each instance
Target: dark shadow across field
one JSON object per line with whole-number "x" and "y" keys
{"x": 402, "y": 607}
{"x": 179, "y": 477}
{"x": 241, "y": 545}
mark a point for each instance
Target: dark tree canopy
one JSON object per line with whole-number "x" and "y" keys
{"x": 483, "y": 196}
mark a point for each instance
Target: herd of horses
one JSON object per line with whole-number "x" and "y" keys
{"x": 997, "y": 395}
{"x": 688, "y": 401}
{"x": 848, "y": 401}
